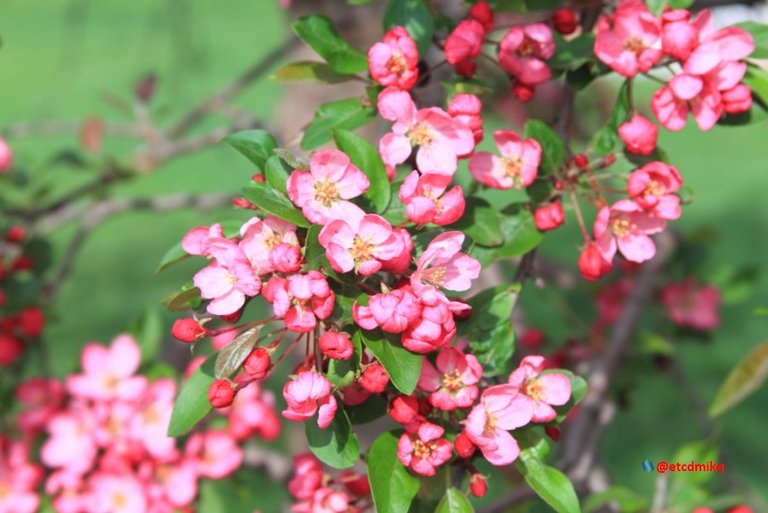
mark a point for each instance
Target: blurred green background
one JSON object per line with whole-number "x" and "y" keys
{"x": 59, "y": 58}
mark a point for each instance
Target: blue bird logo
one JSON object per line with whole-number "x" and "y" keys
{"x": 647, "y": 465}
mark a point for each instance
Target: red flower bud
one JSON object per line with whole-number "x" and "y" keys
{"x": 257, "y": 364}
{"x": 356, "y": 484}
{"x": 464, "y": 446}
{"x": 609, "y": 160}
{"x": 564, "y": 21}
{"x": 336, "y": 345}
{"x": 233, "y": 317}
{"x": 10, "y": 349}
{"x": 523, "y": 92}
{"x": 240, "y": 202}
{"x": 15, "y": 234}
{"x": 478, "y": 486}
{"x": 532, "y": 339}
{"x": 549, "y": 217}
{"x": 743, "y": 508}
{"x": 404, "y": 408}
{"x": 552, "y": 432}
{"x": 31, "y": 322}
{"x": 581, "y": 161}
{"x": 187, "y": 330}
{"x": 592, "y": 264}
{"x": 258, "y": 177}
{"x": 23, "y": 263}
{"x": 374, "y": 379}
{"x": 483, "y": 13}
{"x": 221, "y": 393}
{"x": 145, "y": 87}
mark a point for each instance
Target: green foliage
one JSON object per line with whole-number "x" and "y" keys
{"x": 231, "y": 357}
{"x": 392, "y": 487}
{"x": 338, "y": 115}
{"x": 415, "y": 16}
{"x": 748, "y": 375}
{"x": 148, "y": 332}
{"x": 552, "y": 146}
{"x": 454, "y": 502}
{"x": 627, "y": 500}
{"x": 605, "y": 139}
{"x": 481, "y": 222}
{"x": 365, "y": 156}
{"x": 192, "y": 404}
{"x": 336, "y": 446}
{"x": 276, "y": 173}
{"x": 551, "y": 485}
{"x": 402, "y": 365}
{"x": 342, "y": 372}
{"x": 319, "y": 33}
{"x": 311, "y": 71}
{"x": 255, "y": 145}
{"x": 759, "y": 33}
{"x": 373, "y": 408}
{"x": 274, "y": 202}
{"x": 188, "y": 298}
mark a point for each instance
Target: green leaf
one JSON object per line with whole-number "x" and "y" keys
{"x": 402, "y": 365}
{"x": 341, "y": 373}
{"x": 291, "y": 159}
{"x": 185, "y": 299}
{"x": 310, "y": 71}
{"x": 192, "y": 404}
{"x": 365, "y": 156}
{"x": 336, "y": 446}
{"x": 481, "y": 222}
{"x": 373, "y": 408}
{"x": 757, "y": 80}
{"x": 627, "y": 500}
{"x": 221, "y": 496}
{"x": 574, "y": 53}
{"x": 255, "y": 145}
{"x": 319, "y": 33}
{"x": 552, "y": 146}
{"x": 454, "y": 502}
{"x": 342, "y": 114}
{"x": 745, "y": 378}
{"x": 519, "y": 231}
{"x": 270, "y": 200}
{"x": 148, "y": 331}
{"x": 392, "y": 487}
{"x": 550, "y": 484}
{"x": 276, "y": 173}
{"x": 759, "y": 33}
{"x": 414, "y": 15}
{"x": 231, "y": 357}
{"x": 605, "y": 139}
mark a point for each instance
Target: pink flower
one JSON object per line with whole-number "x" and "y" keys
{"x": 227, "y": 281}
{"x": 394, "y": 60}
{"x": 360, "y": 244}
{"x": 444, "y": 265}
{"x": 174, "y": 484}
{"x": 71, "y": 444}
{"x": 116, "y": 494}
{"x": 440, "y": 138}
{"x": 483, "y": 13}
{"x": 517, "y": 166}
{"x": 501, "y": 409}
{"x": 639, "y": 135}
{"x": 150, "y": 423}
{"x": 464, "y": 45}
{"x": 453, "y": 384}
{"x": 625, "y": 226}
{"x": 426, "y": 201}
{"x": 550, "y": 216}
{"x": 679, "y": 37}
{"x": 18, "y": 478}
{"x": 717, "y": 47}
{"x": 467, "y": 110}
{"x": 300, "y": 299}
{"x": 195, "y": 242}
{"x": 393, "y": 311}
{"x": 6, "y": 156}
{"x": 308, "y": 476}
{"x": 422, "y": 448}
{"x": 322, "y": 192}
{"x": 684, "y": 93}
{"x": 691, "y": 305}
{"x": 737, "y": 99}
{"x": 652, "y": 187}
{"x": 214, "y": 452}
{"x": 308, "y": 394}
{"x": 325, "y": 500}
{"x": 253, "y": 413}
{"x": 337, "y": 345}
{"x": 400, "y": 263}
{"x": 629, "y": 40}
{"x": 543, "y": 390}
{"x": 42, "y": 399}
{"x": 523, "y": 51}
{"x": 592, "y": 263}
{"x": 265, "y": 243}
{"x": 434, "y": 329}
{"x": 109, "y": 372}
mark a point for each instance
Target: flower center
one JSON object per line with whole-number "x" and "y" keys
{"x": 435, "y": 275}
{"x": 490, "y": 424}
{"x": 151, "y": 415}
{"x": 525, "y": 48}
{"x": 119, "y": 500}
{"x": 655, "y": 188}
{"x": 421, "y": 134}
{"x": 5, "y": 490}
{"x": 512, "y": 167}
{"x": 362, "y": 249}
{"x": 273, "y": 239}
{"x": 110, "y": 382}
{"x": 422, "y": 450}
{"x": 634, "y": 44}
{"x": 326, "y": 192}
{"x": 622, "y": 227}
{"x": 532, "y": 388}
{"x": 396, "y": 64}
{"x": 452, "y": 382}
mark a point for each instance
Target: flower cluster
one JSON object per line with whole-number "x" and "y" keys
{"x": 316, "y": 491}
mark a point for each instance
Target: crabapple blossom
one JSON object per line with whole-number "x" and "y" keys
{"x": 717, "y": 48}
{"x": 300, "y": 299}
{"x": 394, "y": 60}
{"x": 463, "y": 45}
{"x": 221, "y": 393}
{"x": 404, "y": 409}
{"x": 626, "y": 226}
{"x": 308, "y": 394}
{"x": 214, "y": 452}
{"x": 501, "y": 409}
{"x": 10, "y": 350}
{"x": 359, "y": 244}
{"x": 517, "y": 166}
{"x": 692, "y": 305}
{"x": 19, "y": 478}
{"x": 432, "y": 330}
{"x": 737, "y": 99}
{"x": 374, "y": 378}
{"x": 689, "y": 93}
{"x": 116, "y": 494}
{"x": 639, "y": 135}
{"x": 42, "y": 398}
{"x": 195, "y": 241}
{"x": 543, "y": 390}
{"x": 549, "y": 217}
{"x": 440, "y": 138}
{"x": 422, "y": 448}
{"x": 308, "y": 476}
{"x": 400, "y": 263}
{"x": 6, "y": 156}
{"x": 426, "y": 201}
{"x": 483, "y": 13}
{"x": 453, "y": 384}
{"x": 393, "y": 311}
{"x": 679, "y": 37}
{"x": 652, "y": 187}
{"x": 109, "y": 372}
{"x": 444, "y": 265}
{"x": 524, "y": 50}
{"x": 253, "y": 413}
{"x": 256, "y": 365}
{"x": 227, "y": 281}
{"x": 188, "y": 330}
{"x": 478, "y": 486}
{"x": 467, "y": 109}
{"x": 464, "y": 446}
{"x": 270, "y": 244}
{"x": 323, "y": 192}
{"x": 629, "y": 40}
{"x": 149, "y": 424}
{"x": 337, "y": 345}
{"x": 564, "y": 21}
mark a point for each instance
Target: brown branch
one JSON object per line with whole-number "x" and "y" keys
{"x": 58, "y": 127}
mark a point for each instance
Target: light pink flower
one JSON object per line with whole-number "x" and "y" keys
{"x": 308, "y": 394}
{"x": 679, "y": 37}
{"x": 227, "y": 281}
{"x": 501, "y": 409}
{"x": 434, "y": 329}
{"x": 444, "y": 265}
{"x": 71, "y": 444}
{"x": 109, "y": 371}
{"x": 426, "y": 201}
{"x": 359, "y": 244}
{"x": 116, "y": 494}
{"x": 393, "y": 311}
{"x": 689, "y": 93}
{"x": 629, "y": 40}
{"x": 626, "y": 226}
{"x": 464, "y": 45}
{"x": 467, "y": 110}
{"x": 322, "y": 193}
{"x": 325, "y": 500}
{"x": 6, "y": 156}
{"x": 195, "y": 242}
{"x": 639, "y": 135}
{"x": 19, "y": 478}
{"x": 262, "y": 241}
{"x": 214, "y": 452}
{"x": 308, "y": 476}
{"x": 42, "y": 398}
{"x": 253, "y": 414}
{"x": 171, "y": 484}
{"x": 422, "y": 448}
{"x": 300, "y": 299}
{"x": 394, "y": 60}
{"x": 543, "y": 390}
{"x": 692, "y": 305}
{"x": 150, "y": 422}
{"x": 452, "y": 384}
{"x": 402, "y": 262}
{"x": 524, "y": 50}
{"x": 717, "y": 47}
{"x": 440, "y": 138}
{"x": 517, "y": 166}
{"x": 653, "y": 186}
